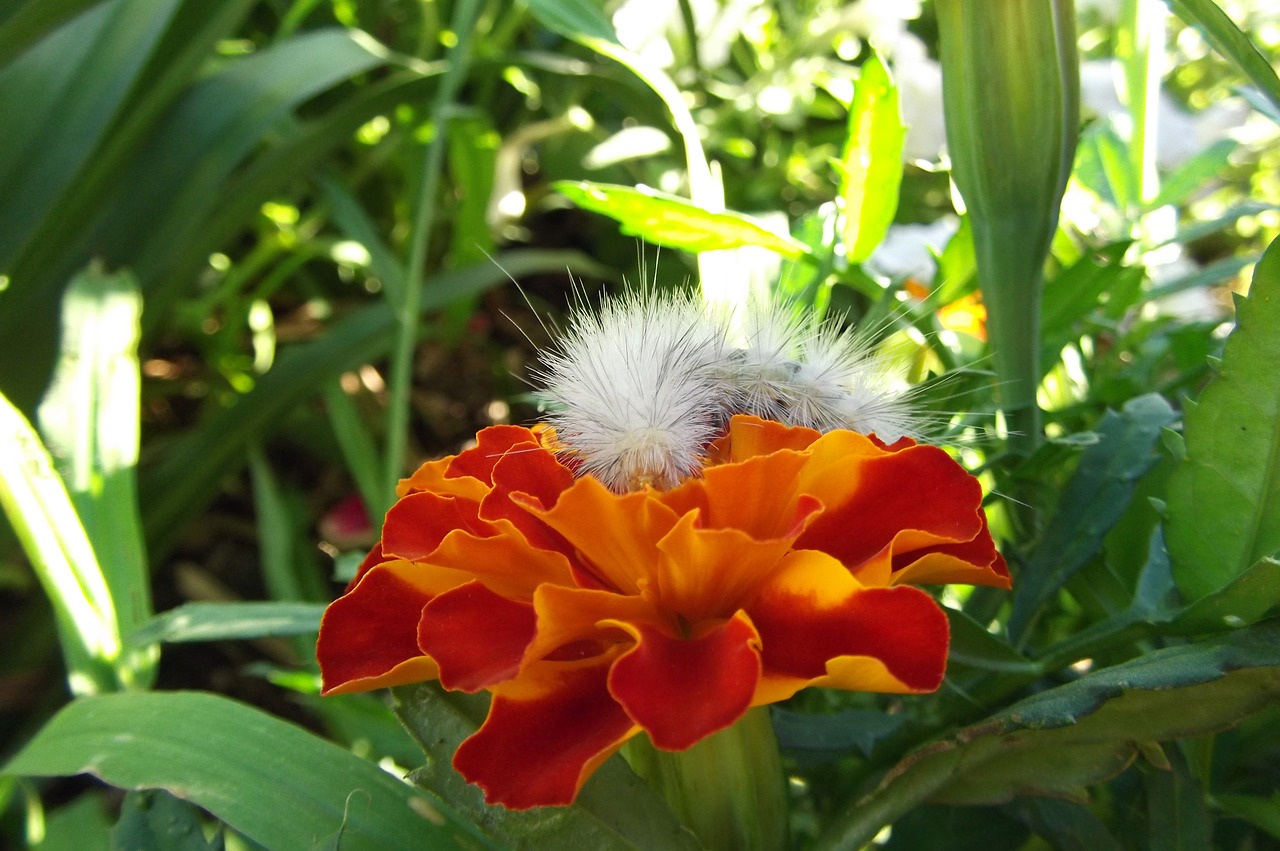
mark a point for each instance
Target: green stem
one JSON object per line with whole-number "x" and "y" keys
{"x": 406, "y": 338}
{"x": 729, "y": 788}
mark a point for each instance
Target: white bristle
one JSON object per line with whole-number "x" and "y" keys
{"x": 639, "y": 389}
{"x": 634, "y": 395}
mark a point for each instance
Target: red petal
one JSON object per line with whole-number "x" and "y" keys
{"x": 870, "y": 500}
{"x": 476, "y": 637}
{"x": 815, "y": 612}
{"x": 369, "y": 636}
{"x": 492, "y": 444}
{"x": 546, "y": 732}
{"x": 683, "y": 690}
{"x": 539, "y": 479}
{"x": 417, "y": 523}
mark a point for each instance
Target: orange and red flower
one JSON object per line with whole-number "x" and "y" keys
{"x": 592, "y": 616}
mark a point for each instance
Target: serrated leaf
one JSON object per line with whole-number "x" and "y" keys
{"x": 1244, "y": 600}
{"x": 614, "y": 810}
{"x": 1093, "y": 500}
{"x": 871, "y": 166}
{"x": 1224, "y": 499}
{"x": 673, "y": 222}
{"x": 1062, "y": 740}
{"x": 277, "y": 784}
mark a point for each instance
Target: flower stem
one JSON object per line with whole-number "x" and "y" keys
{"x": 729, "y": 789}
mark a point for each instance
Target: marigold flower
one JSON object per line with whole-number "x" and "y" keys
{"x": 592, "y": 616}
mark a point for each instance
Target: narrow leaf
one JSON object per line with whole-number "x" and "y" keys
{"x": 89, "y": 419}
{"x": 231, "y": 621}
{"x": 574, "y": 19}
{"x": 33, "y": 496}
{"x": 673, "y": 222}
{"x": 1228, "y": 39}
{"x": 281, "y": 786}
{"x": 1224, "y": 498}
{"x": 871, "y": 167}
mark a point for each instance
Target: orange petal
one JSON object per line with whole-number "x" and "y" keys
{"x": 476, "y": 637}
{"x": 578, "y": 617}
{"x": 758, "y": 496}
{"x": 616, "y": 535}
{"x": 819, "y": 626}
{"x": 434, "y": 476}
{"x": 547, "y": 731}
{"x": 369, "y": 636}
{"x": 505, "y": 560}
{"x": 751, "y": 436}
{"x": 711, "y": 573}
{"x": 681, "y": 690}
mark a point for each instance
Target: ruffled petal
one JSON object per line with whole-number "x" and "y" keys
{"x": 579, "y": 621}
{"x": 369, "y": 636}
{"x": 681, "y": 690}
{"x": 819, "y": 626}
{"x": 537, "y": 478}
{"x": 492, "y": 445}
{"x": 759, "y": 496}
{"x": 417, "y": 523}
{"x": 546, "y": 732}
{"x": 750, "y": 436}
{"x": 914, "y": 498}
{"x": 711, "y": 573}
{"x": 973, "y": 562}
{"x": 476, "y": 637}
{"x": 504, "y": 560}
{"x": 614, "y": 535}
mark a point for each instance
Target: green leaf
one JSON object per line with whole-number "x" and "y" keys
{"x": 614, "y": 810}
{"x": 35, "y": 499}
{"x": 1176, "y": 814}
{"x": 1263, "y": 813}
{"x": 673, "y": 222}
{"x": 1064, "y": 739}
{"x": 1093, "y": 500}
{"x": 574, "y": 19}
{"x": 1244, "y": 600}
{"x": 1221, "y": 32}
{"x": 25, "y": 24}
{"x": 813, "y": 738}
{"x": 1069, "y": 826}
{"x": 871, "y": 166}
{"x": 1224, "y": 498}
{"x": 1193, "y": 174}
{"x": 231, "y": 621}
{"x": 89, "y": 419}
{"x": 157, "y": 821}
{"x": 279, "y": 785}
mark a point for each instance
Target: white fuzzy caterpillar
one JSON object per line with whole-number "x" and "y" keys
{"x": 639, "y": 389}
{"x": 634, "y": 389}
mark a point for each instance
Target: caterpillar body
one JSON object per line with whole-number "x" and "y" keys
{"x": 639, "y": 389}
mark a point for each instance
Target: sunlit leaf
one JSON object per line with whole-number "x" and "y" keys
{"x": 674, "y": 222}
{"x": 871, "y": 166}
{"x": 1228, "y": 39}
{"x": 1224, "y": 498}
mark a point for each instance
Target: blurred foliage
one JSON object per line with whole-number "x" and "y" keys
{"x": 351, "y": 223}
